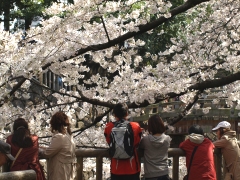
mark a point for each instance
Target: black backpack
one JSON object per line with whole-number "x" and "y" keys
{"x": 121, "y": 140}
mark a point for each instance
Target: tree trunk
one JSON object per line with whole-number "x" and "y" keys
{"x": 28, "y": 22}
{"x": 6, "y": 10}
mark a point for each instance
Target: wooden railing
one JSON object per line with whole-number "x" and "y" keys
{"x": 19, "y": 175}
{"x": 175, "y": 153}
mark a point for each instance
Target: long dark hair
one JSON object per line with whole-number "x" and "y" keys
{"x": 59, "y": 122}
{"x": 21, "y": 134}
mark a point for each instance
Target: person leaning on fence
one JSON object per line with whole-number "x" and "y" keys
{"x": 61, "y": 151}
{"x": 229, "y": 147}
{"x": 202, "y": 165}
{"x": 124, "y": 169}
{"x": 24, "y": 147}
{"x": 155, "y": 147}
{"x": 5, "y": 153}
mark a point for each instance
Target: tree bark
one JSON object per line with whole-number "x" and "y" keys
{"x": 6, "y": 11}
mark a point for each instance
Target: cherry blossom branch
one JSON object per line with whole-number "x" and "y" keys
{"x": 105, "y": 29}
{"x": 216, "y": 82}
{"x": 104, "y": 26}
{"x": 185, "y": 111}
{"x": 17, "y": 86}
{"x": 201, "y": 86}
{"x": 142, "y": 29}
{"x": 96, "y": 120}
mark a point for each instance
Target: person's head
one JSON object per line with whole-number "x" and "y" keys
{"x": 120, "y": 110}
{"x": 221, "y": 128}
{"x": 5, "y": 153}
{"x": 156, "y": 125}
{"x": 196, "y": 129}
{"x": 60, "y": 122}
{"x": 21, "y": 133}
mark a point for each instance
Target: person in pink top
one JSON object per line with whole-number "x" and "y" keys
{"x": 202, "y": 166}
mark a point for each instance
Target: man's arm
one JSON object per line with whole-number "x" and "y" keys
{"x": 220, "y": 143}
{"x": 107, "y": 131}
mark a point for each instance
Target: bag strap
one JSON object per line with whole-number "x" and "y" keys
{"x": 19, "y": 151}
{"x": 194, "y": 150}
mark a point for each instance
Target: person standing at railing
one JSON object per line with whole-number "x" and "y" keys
{"x": 199, "y": 155}
{"x": 124, "y": 169}
{"x": 229, "y": 147}
{"x": 61, "y": 151}
{"x": 155, "y": 148}
{"x": 5, "y": 153}
{"x": 24, "y": 147}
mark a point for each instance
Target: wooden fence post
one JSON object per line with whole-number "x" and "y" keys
{"x": 99, "y": 162}
{"x": 80, "y": 168}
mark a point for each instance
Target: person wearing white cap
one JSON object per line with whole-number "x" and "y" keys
{"x": 229, "y": 147}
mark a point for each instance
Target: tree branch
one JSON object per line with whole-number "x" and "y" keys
{"x": 96, "y": 120}
{"x": 216, "y": 82}
{"x": 142, "y": 29}
{"x": 185, "y": 111}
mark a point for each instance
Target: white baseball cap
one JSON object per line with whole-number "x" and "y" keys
{"x": 223, "y": 124}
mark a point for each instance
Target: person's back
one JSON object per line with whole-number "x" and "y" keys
{"x": 28, "y": 156}
{"x": 26, "y": 146}
{"x": 155, "y": 147}
{"x": 202, "y": 166}
{"x": 61, "y": 151}
{"x": 128, "y": 169}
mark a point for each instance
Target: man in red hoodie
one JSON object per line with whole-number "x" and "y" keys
{"x": 124, "y": 169}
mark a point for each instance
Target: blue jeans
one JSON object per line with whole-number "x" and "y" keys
{"x": 164, "y": 177}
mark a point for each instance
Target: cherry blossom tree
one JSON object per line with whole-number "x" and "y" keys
{"x": 205, "y": 59}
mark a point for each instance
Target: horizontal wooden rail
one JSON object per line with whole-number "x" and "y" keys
{"x": 99, "y": 154}
{"x": 18, "y": 175}
{"x": 175, "y": 153}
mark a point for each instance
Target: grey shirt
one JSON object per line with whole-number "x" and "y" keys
{"x": 155, "y": 154}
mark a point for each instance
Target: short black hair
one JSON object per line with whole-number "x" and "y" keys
{"x": 120, "y": 110}
{"x": 196, "y": 129}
